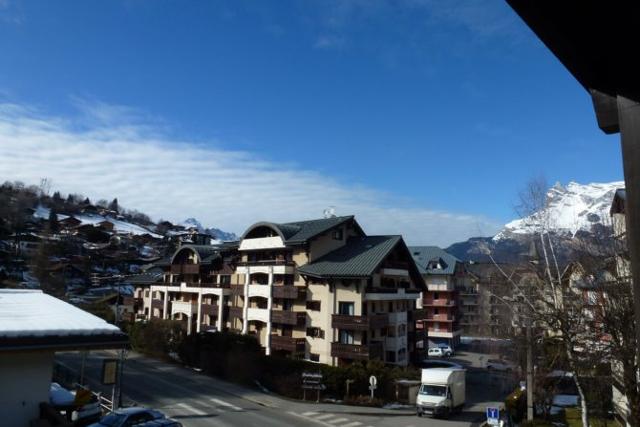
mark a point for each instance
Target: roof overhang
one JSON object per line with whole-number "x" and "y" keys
{"x": 64, "y": 342}
{"x": 596, "y": 41}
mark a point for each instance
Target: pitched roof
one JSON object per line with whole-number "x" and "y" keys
{"x": 150, "y": 276}
{"x": 301, "y": 231}
{"x": 33, "y": 319}
{"x": 359, "y": 257}
{"x": 423, "y": 255}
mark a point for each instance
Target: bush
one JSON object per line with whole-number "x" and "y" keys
{"x": 361, "y": 400}
{"x": 157, "y": 337}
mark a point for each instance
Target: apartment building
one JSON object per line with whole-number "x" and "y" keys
{"x": 194, "y": 287}
{"x": 325, "y": 291}
{"x": 441, "y": 271}
{"x": 321, "y": 290}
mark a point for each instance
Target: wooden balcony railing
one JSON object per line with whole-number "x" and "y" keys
{"x": 210, "y": 309}
{"x": 237, "y": 289}
{"x": 131, "y": 301}
{"x": 294, "y": 345}
{"x": 235, "y": 312}
{"x": 185, "y": 269}
{"x": 355, "y": 351}
{"x": 359, "y": 323}
{"x": 289, "y": 292}
{"x": 288, "y": 317}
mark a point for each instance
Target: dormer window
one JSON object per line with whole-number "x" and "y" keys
{"x": 337, "y": 234}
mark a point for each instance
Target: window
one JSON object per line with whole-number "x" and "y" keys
{"x": 225, "y": 279}
{"x": 314, "y": 357}
{"x": 383, "y": 332}
{"x": 436, "y": 311}
{"x": 390, "y": 306}
{"x": 391, "y": 356}
{"x": 315, "y": 333}
{"x": 337, "y": 235}
{"x": 436, "y": 296}
{"x": 313, "y": 305}
{"x": 346, "y": 308}
{"x": 346, "y": 337}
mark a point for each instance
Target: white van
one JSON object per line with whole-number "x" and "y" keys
{"x": 442, "y": 392}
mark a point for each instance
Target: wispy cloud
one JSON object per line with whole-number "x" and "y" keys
{"x": 147, "y": 169}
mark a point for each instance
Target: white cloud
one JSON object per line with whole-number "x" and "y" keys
{"x": 103, "y": 154}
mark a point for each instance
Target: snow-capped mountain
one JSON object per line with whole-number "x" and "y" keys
{"x": 576, "y": 207}
{"x": 575, "y": 211}
{"x": 213, "y": 232}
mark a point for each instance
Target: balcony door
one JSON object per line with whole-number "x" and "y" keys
{"x": 346, "y": 308}
{"x": 345, "y": 337}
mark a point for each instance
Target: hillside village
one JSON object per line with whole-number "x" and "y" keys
{"x": 320, "y": 290}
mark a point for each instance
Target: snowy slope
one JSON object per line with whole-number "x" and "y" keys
{"x": 576, "y": 207}
{"x": 119, "y": 226}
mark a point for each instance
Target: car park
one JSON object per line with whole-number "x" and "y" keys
{"x": 128, "y": 417}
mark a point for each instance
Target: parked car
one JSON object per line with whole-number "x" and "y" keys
{"x": 436, "y": 352}
{"x": 448, "y": 351}
{"x": 500, "y": 365}
{"x": 128, "y": 417}
{"x": 83, "y": 411}
{"x": 429, "y": 364}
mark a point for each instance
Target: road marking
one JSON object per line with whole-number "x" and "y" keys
{"x": 338, "y": 420}
{"x": 191, "y": 409}
{"x": 325, "y": 416}
{"x": 227, "y": 404}
{"x": 353, "y": 424}
{"x": 309, "y": 414}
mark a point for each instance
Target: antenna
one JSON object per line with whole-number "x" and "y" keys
{"x": 329, "y": 212}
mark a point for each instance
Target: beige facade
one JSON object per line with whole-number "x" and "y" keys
{"x": 326, "y": 318}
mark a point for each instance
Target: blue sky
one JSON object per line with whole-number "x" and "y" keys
{"x": 423, "y": 111}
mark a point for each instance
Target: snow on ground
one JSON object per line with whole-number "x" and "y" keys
{"x": 118, "y": 225}
{"x": 569, "y": 209}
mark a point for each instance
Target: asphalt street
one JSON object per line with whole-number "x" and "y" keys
{"x": 197, "y": 400}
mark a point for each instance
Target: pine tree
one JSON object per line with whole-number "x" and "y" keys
{"x": 114, "y": 205}
{"x": 54, "y": 226}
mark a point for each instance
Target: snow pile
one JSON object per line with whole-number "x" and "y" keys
{"x": 569, "y": 209}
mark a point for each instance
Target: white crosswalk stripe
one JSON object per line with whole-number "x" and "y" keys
{"x": 338, "y": 420}
{"x": 225, "y": 404}
{"x": 309, "y": 414}
{"x": 353, "y": 424}
{"x": 324, "y": 417}
{"x": 190, "y": 408}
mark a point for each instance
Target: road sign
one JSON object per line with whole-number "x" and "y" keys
{"x": 373, "y": 381}
{"x": 493, "y": 416}
{"x": 109, "y": 371}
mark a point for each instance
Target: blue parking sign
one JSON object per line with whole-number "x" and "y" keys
{"x": 493, "y": 416}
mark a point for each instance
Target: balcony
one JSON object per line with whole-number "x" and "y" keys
{"x": 441, "y": 318}
{"x": 237, "y": 290}
{"x": 355, "y": 351}
{"x": 398, "y": 318}
{"x": 439, "y": 303}
{"x": 185, "y": 269}
{"x": 235, "y": 312}
{"x": 263, "y": 291}
{"x": 259, "y": 314}
{"x": 185, "y": 307}
{"x": 131, "y": 301}
{"x": 205, "y": 328}
{"x": 359, "y": 323}
{"x": 289, "y": 317}
{"x": 210, "y": 309}
{"x": 157, "y": 303}
{"x": 289, "y": 292}
{"x": 293, "y": 345}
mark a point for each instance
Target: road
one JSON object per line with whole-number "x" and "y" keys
{"x": 197, "y": 400}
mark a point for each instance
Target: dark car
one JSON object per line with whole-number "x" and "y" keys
{"x": 128, "y": 417}
{"x": 163, "y": 422}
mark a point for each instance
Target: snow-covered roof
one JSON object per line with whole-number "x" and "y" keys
{"x": 31, "y": 318}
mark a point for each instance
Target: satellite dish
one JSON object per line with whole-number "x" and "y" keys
{"x": 329, "y": 212}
